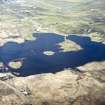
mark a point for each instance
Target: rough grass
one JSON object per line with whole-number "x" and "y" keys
{"x": 66, "y": 19}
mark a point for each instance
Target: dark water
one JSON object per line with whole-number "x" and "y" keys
{"x": 35, "y": 62}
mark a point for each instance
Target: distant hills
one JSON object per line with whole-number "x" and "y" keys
{"x": 5, "y": 1}
{"x": 64, "y": 16}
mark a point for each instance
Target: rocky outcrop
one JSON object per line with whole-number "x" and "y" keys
{"x": 69, "y": 87}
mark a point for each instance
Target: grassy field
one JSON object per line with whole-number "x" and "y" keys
{"x": 59, "y": 16}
